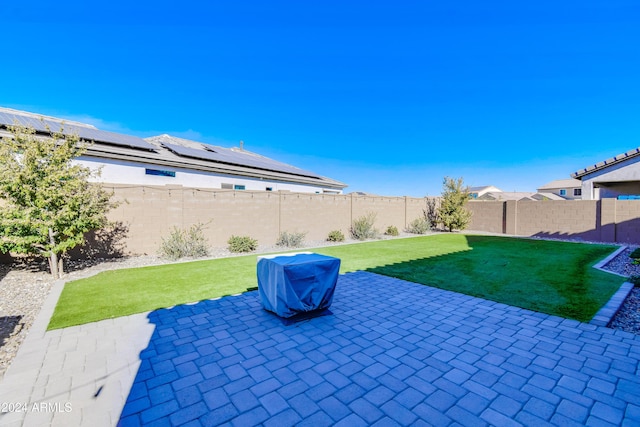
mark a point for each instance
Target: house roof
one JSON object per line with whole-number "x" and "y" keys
{"x": 169, "y": 151}
{"x": 606, "y": 163}
{"x": 506, "y": 195}
{"x": 561, "y": 183}
{"x": 484, "y": 189}
{"x": 550, "y": 196}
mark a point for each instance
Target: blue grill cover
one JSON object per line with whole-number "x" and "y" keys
{"x": 295, "y": 284}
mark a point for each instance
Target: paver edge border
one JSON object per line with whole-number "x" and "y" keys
{"x": 606, "y": 314}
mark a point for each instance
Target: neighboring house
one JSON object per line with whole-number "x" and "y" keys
{"x": 477, "y": 192}
{"x": 167, "y": 160}
{"x": 506, "y": 195}
{"x": 568, "y": 189}
{"x": 547, "y": 196}
{"x": 617, "y": 177}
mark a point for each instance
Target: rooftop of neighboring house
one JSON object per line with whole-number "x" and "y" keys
{"x": 542, "y": 195}
{"x": 483, "y": 189}
{"x": 606, "y": 163}
{"x": 561, "y": 183}
{"x": 167, "y": 150}
{"x": 506, "y": 195}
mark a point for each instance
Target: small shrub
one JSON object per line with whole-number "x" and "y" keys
{"x": 335, "y": 236}
{"x": 242, "y": 244}
{"x": 183, "y": 243}
{"x": 362, "y": 228}
{"x": 392, "y": 230}
{"x": 419, "y": 226}
{"x": 291, "y": 240}
{"x": 635, "y": 254}
{"x": 431, "y": 213}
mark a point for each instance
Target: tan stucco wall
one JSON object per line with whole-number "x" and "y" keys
{"x": 606, "y": 220}
{"x": 151, "y": 212}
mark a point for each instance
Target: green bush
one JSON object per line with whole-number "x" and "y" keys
{"x": 419, "y": 226}
{"x": 242, "y": 244}
{"x": 392, "y": 230}
{"x": 291, "y": 240}
{"x": 635, "y": 254}
{"x": 362, "y": 228}
{"x": 183, "y": 243}
{"x": 635, "y": 279}
{"x": 335, "y": 236}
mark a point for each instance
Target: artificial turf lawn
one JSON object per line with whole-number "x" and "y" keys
{"x": 546, "y": 276}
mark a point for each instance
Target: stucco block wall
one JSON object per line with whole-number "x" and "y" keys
{"x": 150, "y": 213}
{"x": 559, "y": 219}
{"x": 388, "y": 210}
{"x": 606, "y": 220}
{"x": 627, "y": 221}
{"x": 314, "y": 214}
{"x": 487, "y": 216}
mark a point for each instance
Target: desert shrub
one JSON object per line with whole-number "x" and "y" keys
{"x": 242, "y": 244}
{"x": 291, "y": 240}
{"x": 183, "y": 243}
{"x": 362, "y": 228}
{"x": 419, "y": 226}
{"x": 335, "y": 236}
{"x": 431, "y": 213}
{"x": 392, "y": 230}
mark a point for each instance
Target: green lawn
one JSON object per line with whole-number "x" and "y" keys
{"x": 546, "y": 276}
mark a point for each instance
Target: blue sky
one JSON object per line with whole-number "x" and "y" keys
{"x": 388, "y": 97}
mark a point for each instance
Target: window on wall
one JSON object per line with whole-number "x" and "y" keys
{"x": 226, "y": 186}
{"x": 563, "y": 192}
{"x": 269, "y": 188}
{"x": 577, "y": 191}
{"x": 239, "y": 187}
{"x": 157, "y": 172}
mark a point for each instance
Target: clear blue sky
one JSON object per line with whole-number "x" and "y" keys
{"x": 388, "y": 97}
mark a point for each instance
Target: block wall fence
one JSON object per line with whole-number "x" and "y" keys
{"x": 606, "y": 220}
{"x": 149, "y": 213}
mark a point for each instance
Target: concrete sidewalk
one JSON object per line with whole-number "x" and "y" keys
{"x": 77, "y": 376}
{"x": 392, "y": 353}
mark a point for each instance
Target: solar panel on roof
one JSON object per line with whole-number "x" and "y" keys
{"x": 86, "y": 133}
{"x": 224, "y": 155}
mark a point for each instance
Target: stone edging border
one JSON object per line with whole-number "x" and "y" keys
{"x": 611, "y": 308}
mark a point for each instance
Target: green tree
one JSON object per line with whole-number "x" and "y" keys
{"x": 452, "y": 212}
{"x": 48, "y": 203}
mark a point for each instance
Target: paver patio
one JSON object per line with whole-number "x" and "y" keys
{"x": 391, "y": 353}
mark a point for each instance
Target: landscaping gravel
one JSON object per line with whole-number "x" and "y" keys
{"x": 24, "y": 287}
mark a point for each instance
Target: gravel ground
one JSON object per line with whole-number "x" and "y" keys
{"x": 24, "y": 287}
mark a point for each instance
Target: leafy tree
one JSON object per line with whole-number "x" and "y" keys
{"x": 48, "y": 204}
{"x": 431, "y": 213}
{"x": 452, "y": 212}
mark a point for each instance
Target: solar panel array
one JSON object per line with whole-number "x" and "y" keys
{"x": 86, "y": 133}
{"x": 225, "y": 155}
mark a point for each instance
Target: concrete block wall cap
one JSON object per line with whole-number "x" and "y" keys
{"x": 285, "y": 254}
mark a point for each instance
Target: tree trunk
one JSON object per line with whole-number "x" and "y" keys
{"x": 55, "y": 265}
{"x": 60, "y": 267}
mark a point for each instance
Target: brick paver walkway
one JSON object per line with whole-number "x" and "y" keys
{"x": 392, "y": 353}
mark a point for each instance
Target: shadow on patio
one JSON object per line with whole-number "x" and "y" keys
{"x": 393, "y": 352}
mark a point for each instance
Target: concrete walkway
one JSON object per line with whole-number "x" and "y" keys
{"x": 392, "y": 353}
{"x": 78, "y": 376}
